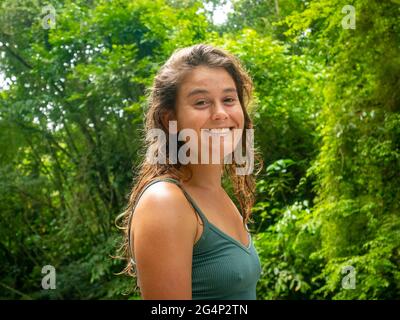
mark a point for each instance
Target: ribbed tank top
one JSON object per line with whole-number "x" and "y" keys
{"x": 222, "y": 267}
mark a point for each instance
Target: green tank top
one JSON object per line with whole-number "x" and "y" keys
{"x": 222, "y": 267}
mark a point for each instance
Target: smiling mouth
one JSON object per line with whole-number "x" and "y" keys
{"x": 219, "y": 131}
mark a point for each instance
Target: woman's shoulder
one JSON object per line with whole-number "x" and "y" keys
{"x": 163, "y": 212}
{"x": 160, "y": 191}
{"x": 164, "y": 202}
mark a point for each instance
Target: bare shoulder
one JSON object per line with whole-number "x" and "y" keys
{"x": 163, "y": 232}
{"x": 164, "y": 202}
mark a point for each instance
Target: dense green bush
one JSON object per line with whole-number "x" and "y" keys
{"x": 327, "y": 121}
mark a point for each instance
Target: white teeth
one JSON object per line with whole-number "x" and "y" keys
{"x": 219, "y": 130}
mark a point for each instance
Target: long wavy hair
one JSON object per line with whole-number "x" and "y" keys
{"x": 161, "y": 99}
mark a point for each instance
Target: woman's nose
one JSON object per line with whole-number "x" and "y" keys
{"x": 218, "y": 112}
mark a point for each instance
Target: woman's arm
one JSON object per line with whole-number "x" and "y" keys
{"x": 163, "y": 233}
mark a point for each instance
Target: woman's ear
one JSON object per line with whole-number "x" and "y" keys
{"x": 166, "y": 117}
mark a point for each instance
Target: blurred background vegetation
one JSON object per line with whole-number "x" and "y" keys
{"x": 327, "y": 124}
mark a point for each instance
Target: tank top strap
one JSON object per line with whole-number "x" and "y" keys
{"x": 191, "y": 201}
{"x": 188, "y": 197}
{"x": 133, "y": 210}
{"x": 140, "y": 194}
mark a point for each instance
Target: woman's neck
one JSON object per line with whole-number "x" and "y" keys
{"x": 206, "y": 176}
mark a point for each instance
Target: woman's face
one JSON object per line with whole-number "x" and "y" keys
{"x": 207, "y": 99}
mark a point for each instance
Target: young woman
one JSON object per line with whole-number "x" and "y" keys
{"x": 184, "y": 236}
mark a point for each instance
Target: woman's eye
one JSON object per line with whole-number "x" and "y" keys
{"x": 201, "y": 103}
{"x": 229, "y": 100}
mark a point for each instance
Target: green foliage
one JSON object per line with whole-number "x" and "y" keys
{"x": 357, "y": 166}
{"x": 74, "y": 114}
{"x": 326, "y": 113}
{"x": 287, "y": 250}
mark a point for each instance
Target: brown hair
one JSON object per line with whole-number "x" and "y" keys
{"x": 161, "y": 99}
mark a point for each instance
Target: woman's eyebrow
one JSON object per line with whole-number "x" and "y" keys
{"x": 198, "y": 90}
